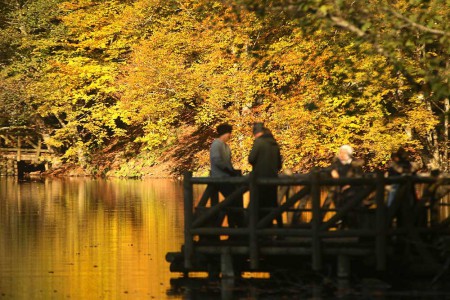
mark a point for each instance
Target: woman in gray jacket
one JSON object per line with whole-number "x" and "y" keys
{"x": 221, "y": 166}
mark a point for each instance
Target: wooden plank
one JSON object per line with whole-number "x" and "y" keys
{"x": 316, "y": 222}
{"x": 381, "y": 223}
{"x": 253, "y": 221}
{"x": 219, "y": 231}
{"x": 210, "y": 189}
{"x": 359, "y": 197}
{"x": 217, "y": 180}
{"x": 349, "y": 233}
{"x": 19, "y": 145}
{"x": 279, "y": 251}
{"x": 213, "y": 211}
{"x": 264, "y": 222}
{"x": 38, "y": 149}
{"x": 188, "y": 216}
{"x": 295, "y": 232}
{"x": 8, "y": 139}
{"x": 30, "y": 142}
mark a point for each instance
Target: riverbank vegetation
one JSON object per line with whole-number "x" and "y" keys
{"x": 132, "y": 88}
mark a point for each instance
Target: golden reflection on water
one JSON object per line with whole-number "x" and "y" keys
{"x": 83, "y": 238}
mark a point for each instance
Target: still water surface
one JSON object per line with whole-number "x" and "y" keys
{"x": 81, "y": 238}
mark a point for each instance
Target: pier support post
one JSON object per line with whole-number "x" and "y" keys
{"x": 343, "y": 266}
{"x": 226, "y": 264}
{"x": 253, "y": 220}
{"x": 381, "y": 224}
{"x": 227, "y": 288}
{"x": 19, "y": 151}
{"x": 316, "y": 222}
{"x": 188, "y": 218}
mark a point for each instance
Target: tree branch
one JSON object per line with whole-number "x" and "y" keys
{"x": 416, "y": 25}
{"x": 347, "y": 25}
{"x": 379, "y": 48}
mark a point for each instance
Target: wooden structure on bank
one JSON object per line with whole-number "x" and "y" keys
{"x": 412, "y": 233}
{"x": 21, "y": 144}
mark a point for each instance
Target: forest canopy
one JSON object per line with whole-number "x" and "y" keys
{"x": 109, "y": 83}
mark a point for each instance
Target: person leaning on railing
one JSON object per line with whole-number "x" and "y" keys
{"x": 399, "y": 165}
{"x": 265, "y": 159}
{"x": 221, "y": 166}
{"x": 345, "y": 166}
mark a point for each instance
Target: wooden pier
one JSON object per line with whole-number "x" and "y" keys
{"x": 361, "y": 232}
{"x": 20, "y": 145}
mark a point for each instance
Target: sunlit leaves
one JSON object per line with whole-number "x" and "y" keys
{"x": 320, "y": 74}
{"x": 196, "y": 62}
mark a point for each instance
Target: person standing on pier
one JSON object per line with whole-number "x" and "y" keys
{"x": 265, "y": 159}
{"x": 399, "y": 165}
{"x": 221, "y": 166}
{"x": 402, "y": 199}
{"x": 345, "y": 166}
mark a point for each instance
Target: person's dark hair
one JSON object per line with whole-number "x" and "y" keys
{"x": 258, "y": 127}
{"x": 224, "y": 128}
{"x": 266, "y": 130}
{"x": 394, "y": 156}
{"x": 402, "y": 154}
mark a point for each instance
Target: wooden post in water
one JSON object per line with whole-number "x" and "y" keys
{"x": 188, "y": 218}
{"x": 343, "y": 265}
{"x": 381, "y": 223}
{"x": 253, "y": 221}
{"x": 315, "y": 222}
{"x": 19, "y": 145}
{"x": 226, "y": 263}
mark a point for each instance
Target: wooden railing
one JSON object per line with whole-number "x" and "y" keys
{"x": 22, "y": 143}
{"x": 374, "y": 221}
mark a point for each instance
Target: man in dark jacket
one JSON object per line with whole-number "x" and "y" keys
{"x": 265, "y": 159}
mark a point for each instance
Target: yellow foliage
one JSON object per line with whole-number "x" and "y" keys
{"x": 138, "y": 71}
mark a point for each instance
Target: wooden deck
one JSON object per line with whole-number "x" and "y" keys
{"x": 314, "y": 233}
{"x": 21, "y": 144}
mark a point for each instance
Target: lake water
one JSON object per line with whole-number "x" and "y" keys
{"x": 81, "y": 238}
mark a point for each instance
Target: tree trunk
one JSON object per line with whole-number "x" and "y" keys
{"x": 445, "y": 162}
{"x": 433, "y": 147}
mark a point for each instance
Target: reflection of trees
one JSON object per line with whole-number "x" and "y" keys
{"x": 79, "y": 206}
{"x": 122, "y": 227}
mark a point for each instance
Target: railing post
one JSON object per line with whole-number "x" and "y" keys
{"x": 188, "y": 218}
{"x": 253, "y": 220}
{"x": 38, "y": 150}
{"x": 316, "y": 222}
{"x": 408, "y": 202}
{"x": 19, "y": 145}
{"x": 381, "y": 223}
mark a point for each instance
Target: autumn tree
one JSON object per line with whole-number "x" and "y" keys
{"x": 158, "y": 76}
{"x": 196, "y": 68}
{"x": 413, "y": 37}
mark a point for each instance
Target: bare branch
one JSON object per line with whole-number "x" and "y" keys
{"x": 379, "y": 48}
{"x": 347, "y": 25}
{"x": 416, "y": 25}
